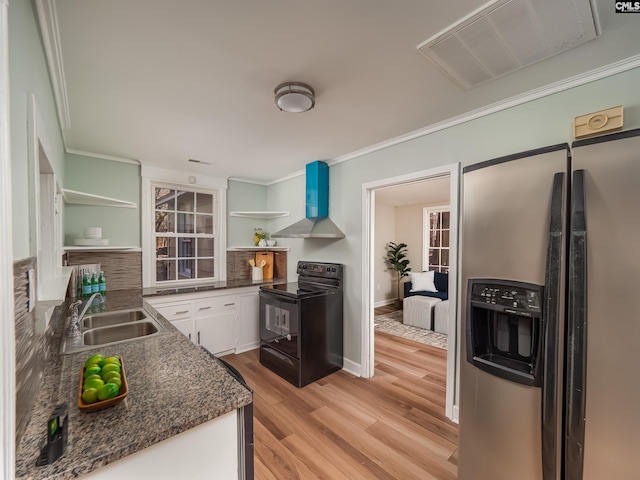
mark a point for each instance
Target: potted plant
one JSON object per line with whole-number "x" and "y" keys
{"x": 397, "y": 258}
{"x": 258, "y": 235}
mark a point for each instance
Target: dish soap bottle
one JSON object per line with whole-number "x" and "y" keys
{"x": 102, "y": 283}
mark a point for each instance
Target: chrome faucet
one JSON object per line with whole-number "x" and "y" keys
{"x": 74, "y": 324}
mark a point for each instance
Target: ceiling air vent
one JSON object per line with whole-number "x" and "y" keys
{"x": 507, "y": 35}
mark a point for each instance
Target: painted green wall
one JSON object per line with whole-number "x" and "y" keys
{"x": 538, "y": 123}
{"x": 244, "y": 197}
{"x": 109, "y": 179}
{"x": 28, "y": 74}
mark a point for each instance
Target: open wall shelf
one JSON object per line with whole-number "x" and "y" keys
{"x": 260, "y": 215}
{"x": 100, "y": 248}
{"x": 82, "y": 198}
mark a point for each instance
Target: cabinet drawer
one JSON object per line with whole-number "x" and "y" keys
{"x": 214, "y": 305}
{"x": 175, "y": 312}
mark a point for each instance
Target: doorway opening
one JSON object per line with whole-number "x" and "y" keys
{"x": 428, "y": 252}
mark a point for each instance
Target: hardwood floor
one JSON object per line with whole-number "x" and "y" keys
{"x": 391, "y": 426}
{"x": 384, "y": 309}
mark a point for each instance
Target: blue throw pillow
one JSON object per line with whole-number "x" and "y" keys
{"x": 441, "y": 281}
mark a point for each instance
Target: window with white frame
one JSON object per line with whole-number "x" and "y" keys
{"x": 436, "y": 222}
{"x": 184, "y": 233}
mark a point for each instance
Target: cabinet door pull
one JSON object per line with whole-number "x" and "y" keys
{"x": 204, "y": 308}
{"x": 229, "y": 304}
{"x": 198, "y": 338}
{"x": 182, "y": 312}
{"x": 189, "y": 337}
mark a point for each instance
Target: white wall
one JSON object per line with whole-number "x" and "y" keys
{"x": 538, "y": 123}
{"x": 247, "y": 197}
{"x": 409, "y": 230}
{"x": 385, "y": 278}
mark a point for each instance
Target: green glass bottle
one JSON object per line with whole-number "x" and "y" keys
{"x": 102, "y": 283}
{"x": 94, "y": 284}
{"x": 86, "y": 286}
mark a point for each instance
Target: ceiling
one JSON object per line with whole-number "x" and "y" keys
{"x": 162, "y": 82}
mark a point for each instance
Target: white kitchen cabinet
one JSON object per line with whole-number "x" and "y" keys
{"x": 173, "y": 311}
{"x": 186, "y": 326}
{"x": 178, "y": 313}
{"x": 216, "y": 323}
{"x": 217, "y": 333}
{"x": 207, "y": 451}
{"x": 222, "y": 321}
{"x": 248, "y": 323}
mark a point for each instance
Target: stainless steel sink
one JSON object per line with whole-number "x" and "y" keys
{"x": 113, "y": 318}
{"x": 126, "y": 331}
{"x": 112, "y": 328}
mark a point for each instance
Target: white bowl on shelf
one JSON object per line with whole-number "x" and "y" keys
{"x": 271, "y": 243}
{"x": 93, "y": 232}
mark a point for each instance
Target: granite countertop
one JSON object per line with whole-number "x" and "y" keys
{"x": 208, "y": 287}
{"x": 173, "y": 386}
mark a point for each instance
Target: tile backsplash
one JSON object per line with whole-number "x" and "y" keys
{"x": 123, "y": 270}
{"x": 30, "y": 346}
{"x": 238, "y": 267}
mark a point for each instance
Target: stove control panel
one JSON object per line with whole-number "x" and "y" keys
{"x": 320, "y": 269}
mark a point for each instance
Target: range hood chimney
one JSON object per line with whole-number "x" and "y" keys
{"x": 317, "y": 223}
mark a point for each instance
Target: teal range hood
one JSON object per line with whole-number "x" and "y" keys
{"x": 317, "y": 223}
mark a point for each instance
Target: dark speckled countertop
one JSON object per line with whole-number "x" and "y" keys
{"x": 173, "y": 386}
{"x": 208, "y": 287}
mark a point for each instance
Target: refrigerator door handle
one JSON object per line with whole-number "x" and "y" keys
{"x": 552, "y": 303}
{"x": 577, "y": 334}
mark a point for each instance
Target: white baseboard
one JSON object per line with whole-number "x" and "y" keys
{"x": 384, "y": 303}
{"x": 248, "y": 347}
{"x": 352, "y": 367}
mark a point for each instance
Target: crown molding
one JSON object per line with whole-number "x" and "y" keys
{"x": 299, "y": 173}
{"x": 246, "y": 180}
{"x": 48, "y": 22}
{"x": 550, "y": 89}
{"x": 112, "y": 158}
{"x": 181, "y": 177}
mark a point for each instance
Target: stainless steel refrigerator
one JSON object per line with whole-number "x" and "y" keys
{"x": 550, "y": 358}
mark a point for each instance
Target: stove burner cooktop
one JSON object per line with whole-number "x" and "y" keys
{"x": 314, "y": 278}
{"x": 293, "y": 289}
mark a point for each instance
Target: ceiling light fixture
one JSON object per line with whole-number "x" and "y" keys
{"x": 295, "y": 97}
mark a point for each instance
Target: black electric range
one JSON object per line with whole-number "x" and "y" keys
{"x": 301, "y": 324}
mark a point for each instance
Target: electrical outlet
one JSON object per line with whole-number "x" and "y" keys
{"x": 31, "y": 281}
